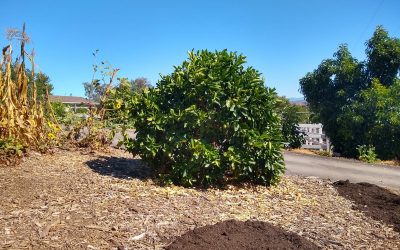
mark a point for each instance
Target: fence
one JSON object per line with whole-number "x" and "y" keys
{"x": 315, "y": 137}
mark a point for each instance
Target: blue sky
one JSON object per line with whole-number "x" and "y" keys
{"x": 282, "y": 39}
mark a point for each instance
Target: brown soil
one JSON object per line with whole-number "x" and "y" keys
{"x": 374, "y": 201}
{"x": 90, "y": 200}
{"x": 237, "y": 235}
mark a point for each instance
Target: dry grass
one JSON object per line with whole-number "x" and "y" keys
{"x": 78, "y": 200}
{"x": 303, "y": 151}
{"x": 395, "y": 163}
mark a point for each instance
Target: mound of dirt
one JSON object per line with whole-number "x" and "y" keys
{"x": 234, "y": 234}
{"x": 376, "y": 202}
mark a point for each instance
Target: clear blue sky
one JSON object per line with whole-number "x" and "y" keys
{"x": 282, "y": 39}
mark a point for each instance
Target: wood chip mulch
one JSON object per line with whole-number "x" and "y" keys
{"x": 80, "y": 200}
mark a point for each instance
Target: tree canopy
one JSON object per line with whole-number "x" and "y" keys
{"x": 94, "y": 90}
{"x": 357, "y": 101}
{"x": 291, "y": 116}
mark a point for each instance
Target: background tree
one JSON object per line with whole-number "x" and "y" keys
{"x": 339, "y": 87}
{"x": 139, "y": 84}
{"x": 42, "y": 84}
{"x": 94, "y": 90}
{"x": 291, "y": 116}
{"x": 42, "y": 80}
{"x": 383, "y": 57}
{"x": 377, "y": 110}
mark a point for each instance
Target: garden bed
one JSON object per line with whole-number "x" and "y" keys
{"x": 88, "y": 200}
{"x": 374, "y": 201}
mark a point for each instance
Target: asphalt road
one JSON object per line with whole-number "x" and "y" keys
{"x": 341, "y": 169}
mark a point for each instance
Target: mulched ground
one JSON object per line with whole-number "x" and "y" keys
{"x": 82, "y": 200}
{"x": 374, "y": 201}
{"x": 238, "y": 235}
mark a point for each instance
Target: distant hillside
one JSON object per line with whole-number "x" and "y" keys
{"x": 298, "y": 101}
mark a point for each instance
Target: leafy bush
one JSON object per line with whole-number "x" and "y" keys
{"x": 118, "y": 101}
{"x": 210, "y": 121}
{"x": 81, "y": 110}
{"x": 367, "y": 153}
{"x": 116, "y": 104}
{"x": 59, "y": 110}
{"x": 10, "y": 151}
{"x": 10, "y": 146}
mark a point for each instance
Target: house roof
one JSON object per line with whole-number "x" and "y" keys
{"x": 71, "y": 100}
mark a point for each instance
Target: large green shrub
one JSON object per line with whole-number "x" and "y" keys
{"x": 209, "y": 121}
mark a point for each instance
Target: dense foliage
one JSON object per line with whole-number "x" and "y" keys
{"x": 376, "y": 114}
{"x": 119, "y": 103}
{"x": 211, "y": 120}
{"x": 291, "y": 116}
{"x": 366, "y": 153}
{"x": 358, "y": 102}
{"x": 59, "y": 110}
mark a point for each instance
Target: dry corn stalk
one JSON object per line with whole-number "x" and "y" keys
{"x": 21, "y": 116}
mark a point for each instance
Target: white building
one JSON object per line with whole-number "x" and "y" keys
{"x": 314, "y": 136}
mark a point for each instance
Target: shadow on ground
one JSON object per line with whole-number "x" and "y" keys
{"x": 376, "y": 202}
{"x": 119, "y": 167}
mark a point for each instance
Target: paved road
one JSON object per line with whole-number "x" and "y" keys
{"x": 341, "y": 169}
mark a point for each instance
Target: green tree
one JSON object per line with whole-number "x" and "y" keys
{"x": 339, "y": 85}
{"x": 383, "y": 53}
{"x": 139, "y": 84}
{"x": 377, "y": 112}
{"x": 42, "y": 85}
{"x": 211, "y": 120}
{"x": 94, "y": 90}
{"x": 291, "y": 116}
{"x": 328, "y": 89}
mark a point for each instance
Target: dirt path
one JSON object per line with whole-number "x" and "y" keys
{"x": 71, "y": 200}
